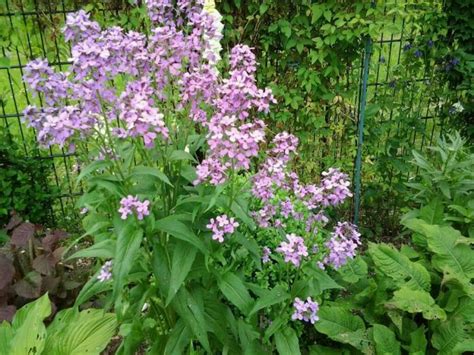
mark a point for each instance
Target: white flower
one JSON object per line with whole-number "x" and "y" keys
{"x": 212, "y": 54}
{"x": 458, "y": 107}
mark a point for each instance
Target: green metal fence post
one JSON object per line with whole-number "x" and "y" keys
{"x": 360, "y": 129}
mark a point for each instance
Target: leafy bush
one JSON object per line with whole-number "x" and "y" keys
{"x": 210, "y": 240}
{"x": 71, "y": 331}
{"x": 420, "y": 298}
{"x": 23, "y": 182}
{"x": 31, "y": 264}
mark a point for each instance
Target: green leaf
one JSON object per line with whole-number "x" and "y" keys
{"x": 129, "y": 240}
{"x": 416, "y": 301}
{"x": 398, "y": 267}
{"x": 92, "y": 167}
{"x": 173, "y": 226}
{"x": 91, "y": 288}
{"x": 418, "y": 341}
{"x": 29, "y": 332}
{"x": 353, "y": 270}
{"x": 433, "y": 212}
{"x": 6, "y": 335}
{"x": 178, "y": 339}
{"x": 385, "y": 341}
{"x": 286, "y": 342}
{"x": 443, "y": 241}
{"x": 104, "y": 250}
{"x": 140, "y": 171}
{"x": 4, "y": 61}
{"x": 181, "y": 155}
{"x": 276, "y": 295}
{"x": 183, "y": 258}
{"x": 340, "y": 325}
{"x": 447, "y": 335}
{"x": 321, "y": 280}
{"x": 316, "y": 12}
{"x": 235, "y": 291}
{"x": 192, "y": 313}
{"x": 77, "y": 333}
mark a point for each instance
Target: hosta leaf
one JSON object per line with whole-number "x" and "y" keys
{"x": 398, "y": 267}
{"x": 6, "y": 335}
{"x": 340, "y": 325}
{"x": 77, "y": 333}
{"x": 385, "y": 340}
{"x": 286, "y": 342}
{"x": 183, "y": 258}
{"x": 29, "y": 332}
{"x": 416, "y": 301}
{"x": 235, "y": 291}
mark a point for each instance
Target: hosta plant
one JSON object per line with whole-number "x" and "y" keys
{"x": 209, "y": 241}
{"x": 31, "y": 264}
{"x": 71, "y": 331}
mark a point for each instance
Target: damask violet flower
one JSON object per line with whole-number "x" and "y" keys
{"x": 293, "y": 250}
{"x": 305, "y": 311}
{"x": 343, "y": 244}
{"x": 222, "y": 225}
{"x": 105, "y": 273}
{"x": 131, "y": 204}
{"x": 266, "y": 255}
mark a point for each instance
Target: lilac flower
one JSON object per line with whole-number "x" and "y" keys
{"x": 131, "y": 204}
{"x": 342, "y": 245}
{"x": 266, "y": 255}
{"x": 335, "y": 186}
{"x": 286, "y": 208}
{"x": 305, "y": 311}
{"x": 293, "y": 250}
{"x": 79, "y": 27}
{"x": 105, "y": 273}
{"x": 221, "y": 226}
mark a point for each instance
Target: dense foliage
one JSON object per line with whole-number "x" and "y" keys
{"x": 24, "y": 183}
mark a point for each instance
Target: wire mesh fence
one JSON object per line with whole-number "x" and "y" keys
{"x": 401, "y": 111}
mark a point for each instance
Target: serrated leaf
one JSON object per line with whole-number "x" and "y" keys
{"x": 353, "y": 270}
{"x": 385, "y": 340}
{"x": 340, "y": 325}
{"x": 416, "y": 301}
{"x": 447, "y": 336}
{"x": 398, "y": 267}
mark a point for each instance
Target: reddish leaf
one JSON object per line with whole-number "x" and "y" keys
{"x": 15, "y": 220}
{"x": 22, "y": 234}
{"x": 52, "y": 238}
{"x": 58, "y": 253}
{"x": 50, "y": 284}
{"x": 29, "y": 286}
{"x": 44, "y": 263}
{"x": 7, "y": 271}
{"x": 7, "y": 313}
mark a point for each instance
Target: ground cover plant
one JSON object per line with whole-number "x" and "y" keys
{"x": 210, "y": 241}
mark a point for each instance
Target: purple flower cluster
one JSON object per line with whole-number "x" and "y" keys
{"x": 233, "y": 137}
{"x": 131, "y": 204}
{"x": 293, "y": 250}
{"x": 177, "y": 57}
{"x": 343, "y": 244}
{"x": 221, "y": 226}
{"x": 305, "y": 311}
{"x": 105, "y": 272}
